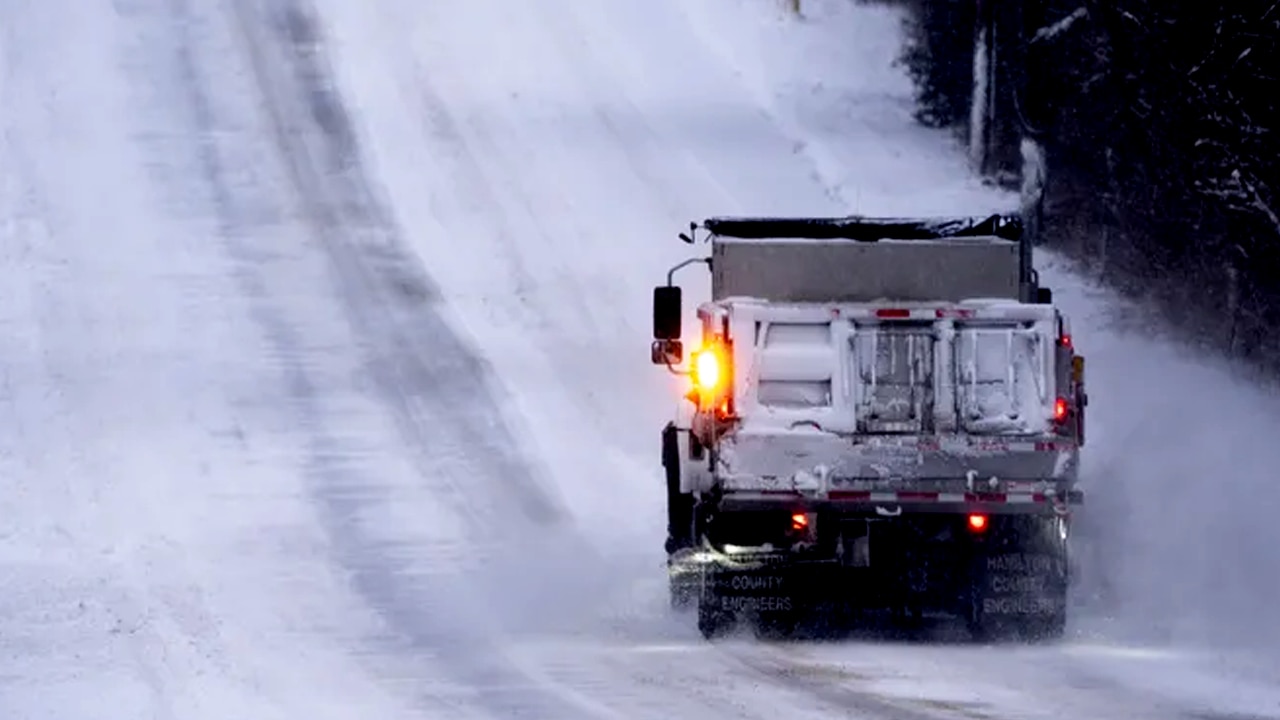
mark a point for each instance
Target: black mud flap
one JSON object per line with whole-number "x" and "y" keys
{"x": 679, "y": 506}
{"x": 771, "y": 596}
{"x": 1009, "y": 583}
{"x": 1019, "y": 585}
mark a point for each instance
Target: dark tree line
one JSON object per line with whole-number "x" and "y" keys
{"x": 1158, "y": 120}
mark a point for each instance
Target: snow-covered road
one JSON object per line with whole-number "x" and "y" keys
{"x": 326, "y": 390}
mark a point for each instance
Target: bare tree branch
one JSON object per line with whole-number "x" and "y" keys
{"x": 1258, "y": 201}
{"x": 1050, "y": 32}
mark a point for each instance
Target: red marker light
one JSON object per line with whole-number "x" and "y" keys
{"x": 1060, "y": 409}
{"x": 799, "y": 521}
{"x": 1065, "y": 341}
{"x": 977, "y": 523}
{"x": 893, "y": 313}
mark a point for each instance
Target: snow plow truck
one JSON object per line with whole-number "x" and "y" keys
{"x": 884, "y": 415}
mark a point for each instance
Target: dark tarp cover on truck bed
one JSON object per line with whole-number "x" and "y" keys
{"x": 867, "y": 229}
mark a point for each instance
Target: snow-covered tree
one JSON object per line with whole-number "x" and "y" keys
{"x": 1156, "y": 122}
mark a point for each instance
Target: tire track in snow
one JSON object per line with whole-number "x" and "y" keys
{"x": 750, "y": 665}
{"x": 90, "y": 601}
{"x": 502, "y": 152}
{"x": 388, "y": 583}
{"x": 418, "y": 362}
{"x": 473, "y": 178}
{"x": 437, "y": 388}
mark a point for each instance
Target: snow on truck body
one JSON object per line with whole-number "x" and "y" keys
{"x": 902, "y": 383}
{"x": 835, "y": 401}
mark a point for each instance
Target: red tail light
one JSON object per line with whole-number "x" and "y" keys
{"x": 1060, "y": 409}
{"x": 799, "y": 521}
{"x": 977, "y": 523}
{"x": 893, "y": 313}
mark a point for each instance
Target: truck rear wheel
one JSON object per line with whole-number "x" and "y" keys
{"x": 781, "y": 625}
{"x": 1050, "y": 628}
{"x": 682, "y": 597}
{"x": 713, "y": 620}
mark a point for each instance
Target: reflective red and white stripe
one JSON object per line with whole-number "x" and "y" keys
{"x": 997, "y": 445}
{"x": 1002, "y": 311}
{"x": 917, "y": 313}
{"x": 915, "y": 496}
{"x": 939, "y": 497}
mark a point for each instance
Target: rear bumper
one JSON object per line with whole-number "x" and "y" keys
{"x": 1016, "y": 566}
{"x": 882, "y": 504}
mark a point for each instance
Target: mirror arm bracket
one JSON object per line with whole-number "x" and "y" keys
{"x": 671, "y": 283}
{"x": 677, "y": 371}
{"x": 671, "y": 274}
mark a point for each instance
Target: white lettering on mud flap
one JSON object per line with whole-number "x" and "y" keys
{"x": 1020, "y": 562}
{"x": 1020, "y": 605}
{"x": 765, "y": 603}
{"x": 1017, "y": 583}
{"x": 755, "y": 582}
{"x": 1021, "y": 584}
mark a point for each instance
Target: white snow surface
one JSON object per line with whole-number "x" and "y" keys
{"x": 327, "y": 392}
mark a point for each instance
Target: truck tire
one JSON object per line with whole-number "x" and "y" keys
{"x": 971, "y": 606}
{"x": 681, "y": 597}
{"x": 1054, "y": 543}
{"x": 781, "y": 625}
{"x": 1047, "y": 629}
{"x": 713, "y": 622}
{"x": 1054, "y": 627}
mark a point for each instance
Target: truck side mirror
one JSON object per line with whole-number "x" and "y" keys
{"x": 667, "y": 352}
{"x": 667, "y": 312}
